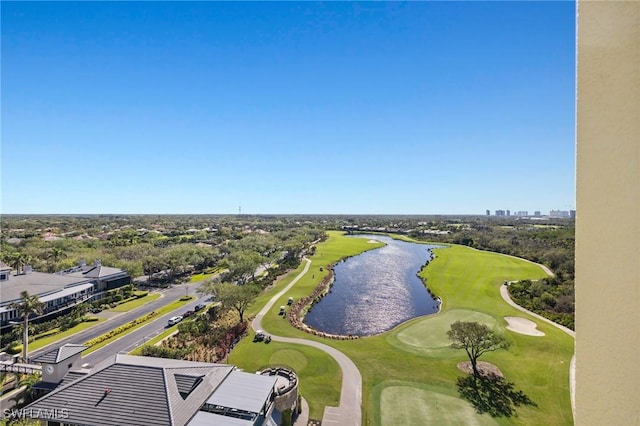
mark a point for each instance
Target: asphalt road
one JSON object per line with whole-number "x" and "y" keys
{"x": 130, "y": 341}
{"x": 169, "y": 295}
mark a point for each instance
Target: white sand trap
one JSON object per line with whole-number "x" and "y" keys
{"x": 373, "y": 241}
{"x": 523, "y": 326}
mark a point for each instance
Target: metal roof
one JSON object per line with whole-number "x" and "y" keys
{"x": 66, "y": 292}
{"x": 243, "y": 391}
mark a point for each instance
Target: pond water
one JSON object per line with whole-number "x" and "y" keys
{"x": 375, "y": 291}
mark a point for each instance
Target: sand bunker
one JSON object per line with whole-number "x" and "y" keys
{"x": 523, "y": 326}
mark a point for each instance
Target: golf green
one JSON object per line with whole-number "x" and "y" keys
{"x": 428, "y": 335}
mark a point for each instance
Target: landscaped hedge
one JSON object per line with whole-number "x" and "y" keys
{"x": 120, "y": 329}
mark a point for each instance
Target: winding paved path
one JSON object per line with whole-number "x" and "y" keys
{"x": 349, "y": 412}
{"x": 504, "y": 292}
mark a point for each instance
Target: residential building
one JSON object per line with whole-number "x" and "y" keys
{"x": 60, "y": 291}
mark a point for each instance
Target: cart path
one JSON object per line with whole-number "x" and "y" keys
{"x": 504, "y": 292}
{"x": 349, "y": 411}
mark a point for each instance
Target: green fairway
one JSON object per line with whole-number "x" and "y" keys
{"x": 417, "y": 352}
{"x": 320, "y": 376}
{"x": 414, "y": 405}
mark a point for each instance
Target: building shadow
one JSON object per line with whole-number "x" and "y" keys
{"x": 492, "y": 395}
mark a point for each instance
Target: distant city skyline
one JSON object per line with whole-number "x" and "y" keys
{"x": 287, "y": 107}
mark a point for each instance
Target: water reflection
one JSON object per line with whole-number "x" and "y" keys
{"x": 375, "y": 291}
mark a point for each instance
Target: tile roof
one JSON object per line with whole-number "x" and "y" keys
{"x": 129, "y": 390}
{"x": 60, "y": 354}
{"x": 97, "y": 271}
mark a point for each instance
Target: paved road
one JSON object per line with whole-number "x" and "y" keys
{"x": 169, "y": 295}
{"x": 349, "y": 412}
{"x": 130, "y": 341}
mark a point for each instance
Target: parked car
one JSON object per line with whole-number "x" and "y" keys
{"x": 174, "y": 320}
{"x": 200, "y": 306}
{"x": 188, "y": 314}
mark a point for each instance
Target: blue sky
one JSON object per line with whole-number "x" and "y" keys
{"x": 287, "y": 107}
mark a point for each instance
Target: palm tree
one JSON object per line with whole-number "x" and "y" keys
{"x": 56, "y": 253}
{"x": 27, "y": 394}
{"x": 28, "y": 305}
{"x": 18, "y": 260}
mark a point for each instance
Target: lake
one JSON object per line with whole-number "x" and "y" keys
{"x": 375, "y": 291}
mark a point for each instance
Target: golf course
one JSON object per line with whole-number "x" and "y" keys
{"x": 409, "y": 373}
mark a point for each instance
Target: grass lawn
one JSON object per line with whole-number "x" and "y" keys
{"x": 416, "y": 353}
{"x": 161, "y": 312}
{"x": 40, "y": 343}
{"x": 199, "y": 277}
{"x": 136, "y": 303}
{"x": 158, "y": 338}
{"x": 320, "y": 376}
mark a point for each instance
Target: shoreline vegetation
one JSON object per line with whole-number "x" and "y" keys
{"x": 468, "y": 282}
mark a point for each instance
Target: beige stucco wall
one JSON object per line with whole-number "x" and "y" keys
{"x": 608, "y": 214}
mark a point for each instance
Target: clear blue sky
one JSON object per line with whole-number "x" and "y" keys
{"x": 390, "y": 108}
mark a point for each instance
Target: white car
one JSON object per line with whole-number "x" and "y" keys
{"x": 175, "y": 320}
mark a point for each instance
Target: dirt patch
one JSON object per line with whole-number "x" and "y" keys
{"x": 486, "y": 369}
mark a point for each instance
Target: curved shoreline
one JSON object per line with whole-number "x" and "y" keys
{"x": 349, "y": 411}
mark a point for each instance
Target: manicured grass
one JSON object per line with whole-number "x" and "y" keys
{"x": 199, "y": 277}
{"x": 430, "y": 337}
{"x": 42, "y": 342}
{"x": 136, "y": 303}
{"x": 158, "y": 338}
{"x": 410, "y": 404}
{"x": 161, "y": 312}
{"x": 416, "y": 352}
{"x": 320, "y": 376}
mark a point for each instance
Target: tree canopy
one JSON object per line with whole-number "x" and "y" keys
{"x": 232, "y": 296}
{"x": 476, "y": 339}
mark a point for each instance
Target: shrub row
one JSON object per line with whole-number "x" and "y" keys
{"x": 120, "y": 329}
